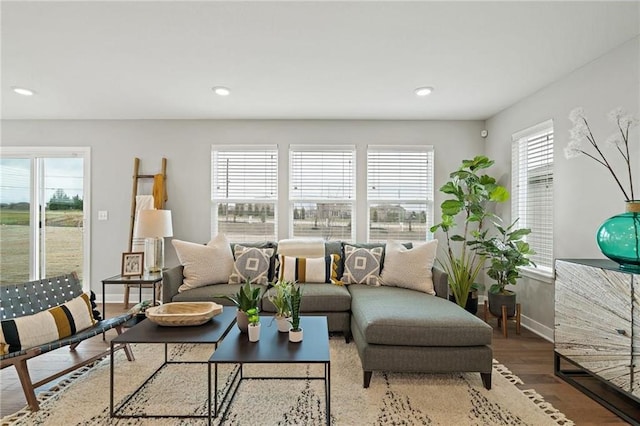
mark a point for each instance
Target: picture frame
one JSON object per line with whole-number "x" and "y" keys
{"x": 132, "y": 264}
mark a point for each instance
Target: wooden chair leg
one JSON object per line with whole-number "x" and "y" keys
{"x": 27, "y": 386}
{"x": 126, "y": 347}
{"x": 504, "y": 321}
{"x": 518, "y": 311}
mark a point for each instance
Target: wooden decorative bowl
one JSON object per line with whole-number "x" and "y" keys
{"x": 176, "y": 314}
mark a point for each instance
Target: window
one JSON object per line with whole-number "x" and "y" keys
{"x": 43, "y": 199}
{"x": 532, "y": 190}
{"x": 321, "y": 192}
{"x": 400, "y": 192}
{"x": 244, "y": 192}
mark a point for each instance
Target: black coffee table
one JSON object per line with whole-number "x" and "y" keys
{"x": 274, "y": 348}
{"x": 146, "y": 331}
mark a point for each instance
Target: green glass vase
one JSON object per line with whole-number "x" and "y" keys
{"x": 619, "y": 237}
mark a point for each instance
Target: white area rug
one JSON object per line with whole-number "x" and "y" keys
{"x": 392, "y": 399}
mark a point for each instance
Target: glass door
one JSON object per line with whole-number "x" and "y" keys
{"x": 15, "y": 220}
{"x": 42, "y": 215}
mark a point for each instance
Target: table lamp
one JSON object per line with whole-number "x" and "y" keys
{"x": 154, "y": 226}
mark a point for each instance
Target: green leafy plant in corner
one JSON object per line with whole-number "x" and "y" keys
{"x": 295, "y": 298}
{"x": 280, "y": 297}
{"x": 506, "y": 252}
{"x": 471, "y": 196}
{"x": 246, "y": 298}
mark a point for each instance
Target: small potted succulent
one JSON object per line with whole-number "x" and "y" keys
{"x": 247, "y": 297}
{"x": 254, "y": 324}
{"x": 295, "y": 297}
{"x": 280, "y": 297}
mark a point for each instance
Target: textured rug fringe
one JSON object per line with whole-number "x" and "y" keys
{"x": 506, "y": 373}
{"x": 549, "y": 409}
{"x": 534, "y": 396}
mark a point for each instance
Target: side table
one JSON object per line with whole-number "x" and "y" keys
{"x": 147, "y": 280}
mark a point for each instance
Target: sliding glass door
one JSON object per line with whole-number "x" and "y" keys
{"x": 43, "y": 200}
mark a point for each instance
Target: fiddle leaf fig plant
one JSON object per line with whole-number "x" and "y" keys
{"x": 471, "y": 194}
{"x": 506, "y": 252}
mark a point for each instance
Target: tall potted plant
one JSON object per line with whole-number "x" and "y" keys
{"x": 507, "y": 253}
{"x": 471, "y": 196}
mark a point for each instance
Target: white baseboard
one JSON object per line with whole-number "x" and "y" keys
{"x": 134, "y": 297}
{"x": 535, "y": 327}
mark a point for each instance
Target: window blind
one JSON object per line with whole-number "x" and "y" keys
{"x": 532, "y": 190}
{"x": 321, "y": 191}
{"x": 244, "y": 191}
{"x": 400, "y": 192}
{"x": 321, "y": 173}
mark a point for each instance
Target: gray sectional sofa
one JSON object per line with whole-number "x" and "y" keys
{"x": 394, "y": 329}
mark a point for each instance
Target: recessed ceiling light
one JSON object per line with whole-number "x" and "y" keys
{"x": 221, "y": 91}
{"x": 424, "y": 91}
{"x": 23, "y": 91}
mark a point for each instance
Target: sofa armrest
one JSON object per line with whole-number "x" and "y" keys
{"x": 171, "y": 280}
{"x": 440, "y": 282}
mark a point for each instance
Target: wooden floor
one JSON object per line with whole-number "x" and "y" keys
{"x": 527, "y": 355}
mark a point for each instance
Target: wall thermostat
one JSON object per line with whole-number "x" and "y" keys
{"x": 484, "y": 133}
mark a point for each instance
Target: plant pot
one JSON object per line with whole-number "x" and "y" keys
{"x": 472, "y": 302}
{"x": 295, "y": 336}
{"x": 283, "y": 323}
{"x": 619, "y": 237}
{"x": 241, "y": 321}
{"x": 496, "y": 301}
{"x": 254, "y": 332}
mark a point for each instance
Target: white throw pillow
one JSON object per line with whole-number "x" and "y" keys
{"x": 409, "y": 268}
{"x": 204, "y": 264}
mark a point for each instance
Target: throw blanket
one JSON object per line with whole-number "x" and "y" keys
{"x": 301, "y": 247}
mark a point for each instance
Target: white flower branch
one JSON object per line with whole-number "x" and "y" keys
{"x": 581, "y": 132}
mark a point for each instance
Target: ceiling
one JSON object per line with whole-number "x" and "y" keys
{"x": 295, "y": 60}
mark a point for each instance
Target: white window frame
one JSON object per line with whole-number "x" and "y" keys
{"x": 217, "y": 199}
{"x": 428, "y": 201}
{"x": 521, "y": 177}
{"x": 33, "y": 153}
{"x": 295, "y": 199}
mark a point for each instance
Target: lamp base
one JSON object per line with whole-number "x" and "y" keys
{"x": 154, "y": 254}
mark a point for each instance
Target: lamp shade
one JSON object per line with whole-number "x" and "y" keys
{"x": 154, "y": 224}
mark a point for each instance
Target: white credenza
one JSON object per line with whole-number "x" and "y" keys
{"x": 597, "y": 330}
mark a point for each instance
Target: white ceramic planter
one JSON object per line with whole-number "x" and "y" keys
{"x": 254, "y": 332}
{"x": 295, "y": 336}
{"x": 283, "y": 324}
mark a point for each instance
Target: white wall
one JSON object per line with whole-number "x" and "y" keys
{"x": 187, "y": 146}
{"x": 584, "y": 192}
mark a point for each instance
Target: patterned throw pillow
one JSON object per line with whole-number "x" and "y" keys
{"x": 361, "y": 265}
{"x": 47, "y": 326}
{"x": 310, "y": 269}
{"x": 252, "y": 264}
